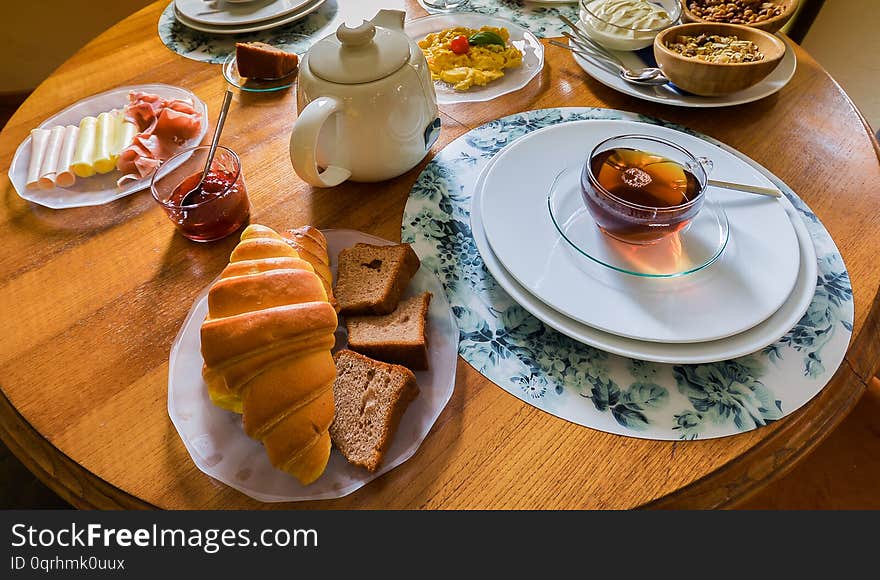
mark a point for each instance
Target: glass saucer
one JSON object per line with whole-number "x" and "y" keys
{"x": 685, "y": 252}
{"x": 232, "y": 76}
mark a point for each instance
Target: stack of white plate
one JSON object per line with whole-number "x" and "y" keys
{"x": 231, "y": 17}
{"x": 746, "y": 297}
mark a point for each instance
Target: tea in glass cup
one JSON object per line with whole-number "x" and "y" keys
{"x": 640, "y": 189}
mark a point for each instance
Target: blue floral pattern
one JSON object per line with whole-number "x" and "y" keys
{"x": 585, "y": 385}
{"x": 215, "y": 48}
{"x": 541, "y": 20}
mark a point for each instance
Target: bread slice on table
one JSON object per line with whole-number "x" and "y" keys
{"x": 371, "y": 279}
{"x": 258, "y": 60}
{"x": 398, "y": 338}
{"x": 370, "y": 398}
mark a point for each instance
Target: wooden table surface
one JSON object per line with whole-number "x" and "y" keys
{"x": 93, "y": 299}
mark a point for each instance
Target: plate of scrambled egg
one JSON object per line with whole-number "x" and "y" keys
{"x": 474, "y": 57}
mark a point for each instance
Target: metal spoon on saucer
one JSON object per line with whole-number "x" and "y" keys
{"x": 646, "y": 76}
{"x": 587, "y": 44}
{"x": 187, "y": 199}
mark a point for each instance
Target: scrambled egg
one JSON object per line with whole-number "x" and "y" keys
{"x": 481, "y": 65}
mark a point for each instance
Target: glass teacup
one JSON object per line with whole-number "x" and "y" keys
{"x": 640, "y": 189}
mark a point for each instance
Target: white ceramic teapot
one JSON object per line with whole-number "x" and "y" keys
{"x": 367, "y": 107}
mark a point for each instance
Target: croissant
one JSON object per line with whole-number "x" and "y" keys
{"x": 311, "y": 245}
{"x": 266, "y": 345}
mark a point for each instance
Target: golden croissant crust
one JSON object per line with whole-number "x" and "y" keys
{"x": 266, "y": 345}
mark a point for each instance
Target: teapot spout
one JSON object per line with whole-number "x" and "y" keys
{"x": 392, "y": 19}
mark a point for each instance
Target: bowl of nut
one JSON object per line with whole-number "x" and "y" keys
{"x": 713, "y": 59}
{"x": 769, "y": 15}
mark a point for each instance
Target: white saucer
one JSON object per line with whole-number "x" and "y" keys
{"x": 668, "y": 95}
{"x": 513, "y": 79}
{"x": 221, "y": 13}
{"x": 244, "y": 28}
{"x": 97, "y": 189}
{"x": 746, "y": 285}
{"x": 219, "y": 447}
{"x": 738, "y": 345}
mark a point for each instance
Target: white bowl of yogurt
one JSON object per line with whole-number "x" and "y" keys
{"x": 627, "y": 24}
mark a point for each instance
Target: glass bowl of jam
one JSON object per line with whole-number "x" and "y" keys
{"x": 216, "y": 209}
{"x": 640, "y": 189}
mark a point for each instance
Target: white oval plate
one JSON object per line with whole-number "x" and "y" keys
{"x": 513, "y": 79}
{"x": 748, "y": 283}
{"x": 219, "y": 447}
{"x": 670, "y": 96}
{"x": 747, "y": 342}
{"x": 244, "y": 28}
{"x": 220, "y": 13}
{"x": 97, "y": 189}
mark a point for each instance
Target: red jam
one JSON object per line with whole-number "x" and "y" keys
{"x": 218, "y": 208}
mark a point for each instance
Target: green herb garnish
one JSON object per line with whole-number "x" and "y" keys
{"x": 485, "y": 37}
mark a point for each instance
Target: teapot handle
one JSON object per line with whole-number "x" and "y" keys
{"x": 304, "y": 144}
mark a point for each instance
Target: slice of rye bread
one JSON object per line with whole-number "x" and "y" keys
{"x": 371, "y": 279}
{"x": 398, "y": 338}
{"x": 370, "y": 398}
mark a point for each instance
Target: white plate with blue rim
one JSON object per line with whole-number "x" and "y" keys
{"x": 669, "y": 94}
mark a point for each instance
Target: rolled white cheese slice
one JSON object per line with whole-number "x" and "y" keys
{"x": 39, "y": 140}
{"x": 125, "y": 134}
{"x": 105, "y": 142}
{"x": 49, "y": 167}
{"x": 84, "y": 153}
{"x": 65, "y": 176}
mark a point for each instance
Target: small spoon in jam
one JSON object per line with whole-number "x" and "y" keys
{"x": 189, "y": 198}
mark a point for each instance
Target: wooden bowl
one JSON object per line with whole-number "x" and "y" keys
{"x": 712, "y": 79}
{"x": 770, "y": 25}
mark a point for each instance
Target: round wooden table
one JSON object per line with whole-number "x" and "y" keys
{"x": 93, "y": 299}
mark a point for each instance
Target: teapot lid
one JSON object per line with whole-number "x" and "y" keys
{"x": 361, "y": 54}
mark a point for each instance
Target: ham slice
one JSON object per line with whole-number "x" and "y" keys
{"x": 176, "y": 126}
{"x": 164, "y": 128}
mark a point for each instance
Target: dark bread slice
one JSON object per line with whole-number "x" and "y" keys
{"x": 258, "y": 60}
{"x": 398, "y": 338}
{"x": 370, "y": 398}
{"x": 370, "y": 279}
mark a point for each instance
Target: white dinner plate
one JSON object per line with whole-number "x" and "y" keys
{"x": 670, "y": 95}
{"x": 747, "y": 342}
{"x": 513, "y": 80}
{"x": 223, "y": 13}
{"x": 245, "y": 28}
{"x": 97, "y": 189}
{"x": 749, "y": 282}
{"x": 219, "y": 447}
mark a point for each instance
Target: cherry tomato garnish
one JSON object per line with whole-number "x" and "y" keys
{"x": 460, "y": 44}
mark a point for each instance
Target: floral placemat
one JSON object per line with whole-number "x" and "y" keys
{"x": 542, "y": 19}
{"x": 582, "y": 384}
{"x": 215, "y": 48}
